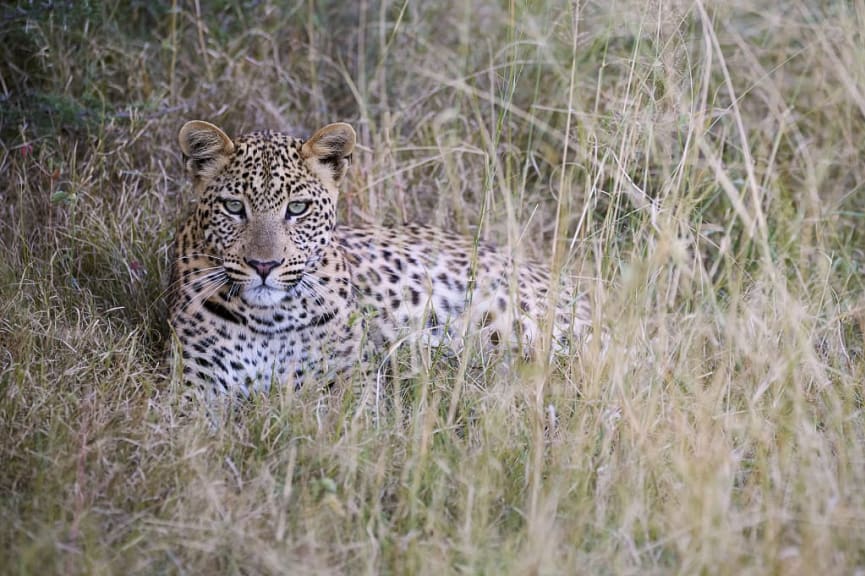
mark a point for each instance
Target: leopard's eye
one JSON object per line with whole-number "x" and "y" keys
{"x": 297, "y": 208}
{"x": 234, "y": 206}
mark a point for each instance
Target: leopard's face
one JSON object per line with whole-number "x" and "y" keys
{"x": 268, "y": 216}
{"x": 266, "y": 204}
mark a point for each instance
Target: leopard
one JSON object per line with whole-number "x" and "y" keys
{"x": 268, "y": 289}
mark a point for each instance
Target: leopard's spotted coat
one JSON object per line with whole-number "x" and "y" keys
{"x": 269, "y": 289}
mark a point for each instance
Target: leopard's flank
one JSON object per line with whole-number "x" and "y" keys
{"x": 269, "y": 290}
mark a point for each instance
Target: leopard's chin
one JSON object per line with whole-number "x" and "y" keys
{"x": 262, "y": 296}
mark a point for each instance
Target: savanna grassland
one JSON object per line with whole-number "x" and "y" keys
{"x": 697, "y": 166}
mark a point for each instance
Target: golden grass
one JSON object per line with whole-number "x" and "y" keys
{"x": 697, "y": 165}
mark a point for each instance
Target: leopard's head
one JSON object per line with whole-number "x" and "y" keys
{"x": 266, "y": 203}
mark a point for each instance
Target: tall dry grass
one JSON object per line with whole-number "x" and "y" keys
{"x": 696, "y": 164}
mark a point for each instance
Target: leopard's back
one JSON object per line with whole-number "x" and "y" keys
{"x": 426, "y": 283}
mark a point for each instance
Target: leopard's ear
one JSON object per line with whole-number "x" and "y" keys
{"x": 329, "y": 150}
{"x": 206, "y": 147}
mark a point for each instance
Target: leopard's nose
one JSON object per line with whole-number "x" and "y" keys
{"x": 264, "y": 268}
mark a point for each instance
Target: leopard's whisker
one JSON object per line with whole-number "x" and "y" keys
{"x": 204, "y": 280}
{"x": 183, "y": 282}
{"x": 211, "y": 289}
{"x": 320, "y": 297}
